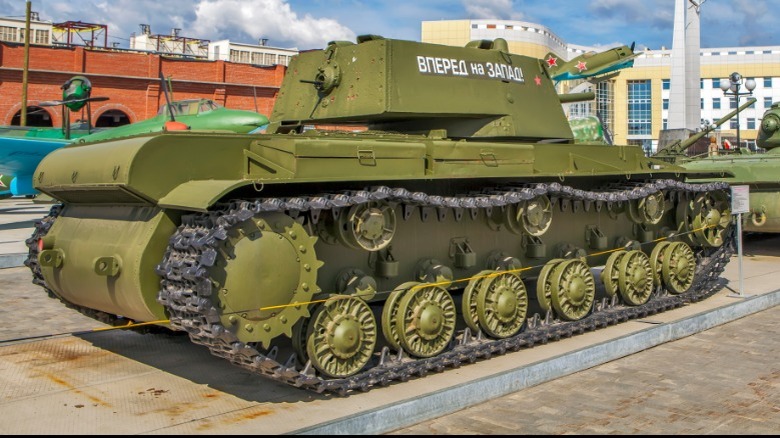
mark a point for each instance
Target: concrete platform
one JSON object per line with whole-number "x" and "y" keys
{"x": 129, "y": 383}
{"x": 17, "y": 218}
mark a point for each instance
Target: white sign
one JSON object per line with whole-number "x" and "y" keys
{"x": 740, "y": 199}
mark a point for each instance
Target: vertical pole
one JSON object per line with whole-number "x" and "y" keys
{"x": 739, "y": 251}
{"x": 23, "y": 118}
{"x": 739, "y": 145}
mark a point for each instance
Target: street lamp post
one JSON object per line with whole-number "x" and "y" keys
{"x": 731, "y": 87}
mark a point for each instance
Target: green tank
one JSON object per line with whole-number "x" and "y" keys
{"x": 759, "y": 171}
{"x": 412, "y": 207}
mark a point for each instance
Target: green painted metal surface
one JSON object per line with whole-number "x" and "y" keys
{"x": 759, "y": 171}
{"x": 443, "y": 120}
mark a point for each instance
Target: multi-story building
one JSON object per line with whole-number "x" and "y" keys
{"x": 257, "y": 54}
{"x": 246, "y": 77}
{"x": 635, "y": 102}
{"x": 12, "y": 30}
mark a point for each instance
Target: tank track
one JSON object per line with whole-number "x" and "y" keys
{"x": 186, "y": 287}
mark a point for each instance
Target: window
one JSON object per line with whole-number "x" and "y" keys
{"x": 733, "y": 124}
{"x": 639, "y": 108}
{"x": 665, "y": 84}
{"x": 701, "y": 83}
{"x": 216, "y": 52}
{"x": 7, "y": 33}
{"x": 701, "y": 103}
{"x": 666, "y": 104}
{"x": 767, "y": 82}
{"x": 716, "y": 103}
{"x": 732, "y": 103}
{"x": 751, "y": 123}
{"x": 257, "y": 58}
{"x": 234, "y": 55}
{"x": 41, "y": 37}
{"x": 768, "y": 102}
{"x": 666, "y": 122}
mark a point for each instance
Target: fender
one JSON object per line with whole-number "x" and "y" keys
{"x": 199, "y": 195}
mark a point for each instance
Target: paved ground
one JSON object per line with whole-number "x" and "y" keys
{"x": 724, "y": 380}
{"x": 17, "y": 217}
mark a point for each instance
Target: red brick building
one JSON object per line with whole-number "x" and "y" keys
{"x": 130, "y": 80}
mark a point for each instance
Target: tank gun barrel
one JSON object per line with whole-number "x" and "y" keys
{"x": 577, "y": 97}
{"x": 681, "y": 146}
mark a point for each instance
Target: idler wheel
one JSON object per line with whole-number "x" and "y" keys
{"x": 705, "y": 218}
{"x": 610, "y": 276}
{"x": 426, "y": 319}
{"x": 544, "y": 285}
{"x": 712, "y": 219}
{"x": 679, "y": 267}
{"x": 267, "y": 272}
{"x": 502, "y": 305}
{"x": 341, "y": 336}
{"x": 636, "y": 278}
{"x": 573, "y": 290}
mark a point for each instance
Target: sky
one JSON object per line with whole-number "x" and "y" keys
{"x": 310, "y": 24}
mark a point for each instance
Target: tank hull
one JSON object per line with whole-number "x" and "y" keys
{"x": 459, "y": 220}
{"x": 757, "y": 171}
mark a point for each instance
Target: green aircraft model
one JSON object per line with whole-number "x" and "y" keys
{"x": 22, "y": 148}
{"x": 192, "y": 114}
{"x": 592, "y": 65}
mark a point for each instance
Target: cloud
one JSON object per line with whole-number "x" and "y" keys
{"x": 273, "y": 19}
{"x": 487, "y": 9}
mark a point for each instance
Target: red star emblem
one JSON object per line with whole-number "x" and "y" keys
{"x": 2, "y": 184}
{"x": 552, "y": 61}
{"x": 538, "y": 80}
{"x": 582, "y": 66}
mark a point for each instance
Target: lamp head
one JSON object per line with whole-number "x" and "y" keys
{"x": 725, "y": 84}
{"x": 735, "y": 78}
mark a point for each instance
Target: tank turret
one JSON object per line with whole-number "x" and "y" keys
{"x": 676, "y": 151}
{"x": 769, "y": 133}
{"x": 412, "y": 207}
{"x": 402, "y": 86}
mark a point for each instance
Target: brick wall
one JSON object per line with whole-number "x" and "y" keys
{"x": 130, "y": 81}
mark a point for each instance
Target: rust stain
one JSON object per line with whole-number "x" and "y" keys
{"x": 246, "y": 415}
{"x": 258, "y": 414}
{"x": 211, "y": 395}
{"x": 207, "y": 425}
{"x": 66, "y": 351}
{"x": 71, "y": 387}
